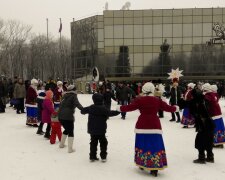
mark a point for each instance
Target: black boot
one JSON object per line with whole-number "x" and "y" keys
{"x": 47, "y": 135}
{"x": 154, "y": 173}
{"x": 92, "y": 159}
{"x": 39, "y": 131}
{"x": 210, "y": 157}
{"x": 201, "y": 158}
{"x": 199, "y": 161}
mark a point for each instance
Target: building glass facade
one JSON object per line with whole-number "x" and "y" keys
{"x": 148, "y": 43}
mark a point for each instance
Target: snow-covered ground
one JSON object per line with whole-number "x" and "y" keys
{"x": 24, "y": 155}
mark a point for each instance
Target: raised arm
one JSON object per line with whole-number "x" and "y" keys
{"x": 130, "y": 107}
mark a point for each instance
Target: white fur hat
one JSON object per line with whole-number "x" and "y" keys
{"x": 191, "y": 85}
{"x": 148, "y": 88}
{"x": 214, "y": 88}
{"x": 59, "y": 83}
{"x": 206, "y": 87}
{"x": 34, "y": 82}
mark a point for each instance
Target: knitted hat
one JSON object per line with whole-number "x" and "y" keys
{"x": 191, "y": 85}
{"x": 206, "y": 87}
{"x": 49, "y": 94}
{"x": 59, "y": 83}
{"x": 214, "y": 88}
{"x": 34, "y": 82}
{"x": 71, "y": 88}
{"x": 148, "y": 88}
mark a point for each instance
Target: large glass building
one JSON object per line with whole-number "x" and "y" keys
{"x": 148, "y": 43}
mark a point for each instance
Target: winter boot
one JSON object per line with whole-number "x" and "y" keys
{"x": 39, "y": 131}
{"x": 210, "y": 157}
{"x": 200, "y": 160}
{"x": 63, "y": 140}
{"x": 92, "y": 159}
{"x": 154, "y": 173}
{"x": 201, "y": 157}
{"x": 70, "y": 145}
{"x": 47, "y": 135}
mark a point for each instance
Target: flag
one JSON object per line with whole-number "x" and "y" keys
{"x": 60, "y": 27}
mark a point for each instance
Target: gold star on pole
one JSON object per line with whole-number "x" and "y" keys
{"x": 175, "y": 73}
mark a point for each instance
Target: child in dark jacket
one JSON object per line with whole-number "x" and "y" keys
{"x": 98, "y": 115}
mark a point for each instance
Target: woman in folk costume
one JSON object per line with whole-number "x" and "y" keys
{"x": 31, "y": 104}
{"x": 187, "y": 118}
{"x": 149, "y": 147}
{"x": 212, "y": 100}
{"x": 58, "y": 94}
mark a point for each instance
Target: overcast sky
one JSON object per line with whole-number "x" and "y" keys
{"x": 35, "y": 12}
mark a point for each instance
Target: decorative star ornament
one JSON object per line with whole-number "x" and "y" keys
{"x": 175, "y": 74}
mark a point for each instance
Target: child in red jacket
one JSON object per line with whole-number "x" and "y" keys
{"x": 56, "y": 128}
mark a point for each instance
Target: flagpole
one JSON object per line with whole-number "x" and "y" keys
{"x": 60, "y": 35}
{"x": 47, "y": 30}
{"x": 60, "y": 40}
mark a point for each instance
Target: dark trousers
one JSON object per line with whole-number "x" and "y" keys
{"x": 204, "y": 142}
{"x": 177, "y": 114}
{"x": 68, "y": 127}
{"x": 124, "y": 102}
{"x": 2, "y": 106}
{"x": 20, "y": 105}
{"x": 48, "y": 128}
{"x": 103, "y": 146}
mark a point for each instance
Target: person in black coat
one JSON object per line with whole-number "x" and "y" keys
{"x": 123, "y": 93}
{"x": 2, "y": 95}
{"x": 175, "y": 96}
{"x": 108, "y": 95}
{"x": 204, "y": 126}
{"x": 40, "y": 99}
{"x": 98, "y": 115}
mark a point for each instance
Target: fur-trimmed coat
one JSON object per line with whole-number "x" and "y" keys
{"x": 57, "y": 94}
{"x": 148, "y": 121}
{"x": 31, "y": 97}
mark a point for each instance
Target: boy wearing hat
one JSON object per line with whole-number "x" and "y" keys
{"x": 98, "y": 115}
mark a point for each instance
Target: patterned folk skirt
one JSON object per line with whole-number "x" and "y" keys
{"x": 219, "y": 131}
{"x": 187, "y": 118}
{"x": 32, "y": 113}
{"x": 150, "y": 152}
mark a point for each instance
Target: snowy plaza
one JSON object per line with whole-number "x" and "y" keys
{"x": 28, "y": 156}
